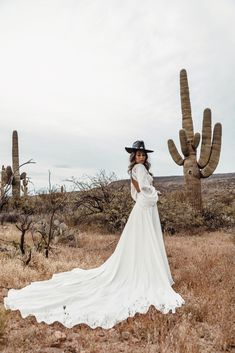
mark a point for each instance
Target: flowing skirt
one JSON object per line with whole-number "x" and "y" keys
{"x": 134, "y": 277}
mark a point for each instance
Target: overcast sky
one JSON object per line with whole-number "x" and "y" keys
{"x": 82, "y": 79}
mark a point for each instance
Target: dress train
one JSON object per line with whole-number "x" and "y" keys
{"x": 134, "y": 277}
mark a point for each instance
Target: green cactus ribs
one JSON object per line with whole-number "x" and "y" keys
{"x": 195, "y": 170}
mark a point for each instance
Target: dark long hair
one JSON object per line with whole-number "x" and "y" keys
{"x": 147, "y": 164}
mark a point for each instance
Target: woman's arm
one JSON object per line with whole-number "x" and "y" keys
{"x": 144, "y": 184}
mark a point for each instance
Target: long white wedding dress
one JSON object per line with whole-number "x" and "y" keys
{"x": 134, "y": 277}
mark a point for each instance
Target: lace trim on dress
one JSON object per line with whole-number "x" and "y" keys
{"x": 105, "y": 321}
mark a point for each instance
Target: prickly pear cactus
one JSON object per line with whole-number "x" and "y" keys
{"x": 195, "y": 170}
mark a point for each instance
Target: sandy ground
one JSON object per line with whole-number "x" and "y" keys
{"x": 201, "y": 265}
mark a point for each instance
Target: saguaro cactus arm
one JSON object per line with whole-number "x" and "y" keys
{"x": 3, "y": 176}
{"x": 183, "y": 142}
{"x": 174, "y": 152}
{"x": 6, "y": 180}
{"x": 196, "y": 140}
{"x": 206, "y": 139}
{"x": 215, "y": 152}
{"x": 22, "y": 176}
{"x": 9, "y": 174}
{"x": 187, "y": 122}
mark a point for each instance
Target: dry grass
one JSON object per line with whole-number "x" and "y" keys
{"x": 203, "y": 270}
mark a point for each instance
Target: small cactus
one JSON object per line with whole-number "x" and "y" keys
{"x": 11, "y": 175}
{"x": 3, "y": 179}
{"x": 195, "y": 170}
{"x": 25, "y": 181}
{"x": 6, "y": 177}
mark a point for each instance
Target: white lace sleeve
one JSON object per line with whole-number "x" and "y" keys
{"x": 146, "y": 188}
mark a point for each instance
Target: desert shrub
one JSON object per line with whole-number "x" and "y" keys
{"x": 227, "y": 199}
{"x": 177, "y": 215}
{"x": 112, "y": 218}
{"x": 102, "y": 202}
{"x": 104, "y": 205}
{"x": 10, "y": 217}
{"x": 219, "y": 214}
{"x": 2, "y": 321}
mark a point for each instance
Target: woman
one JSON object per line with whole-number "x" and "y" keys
{"x": 134, "y": 277}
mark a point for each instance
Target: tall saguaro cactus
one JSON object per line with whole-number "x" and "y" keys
{"x": 15, "y": 166}
{"x": 195, "y": 170}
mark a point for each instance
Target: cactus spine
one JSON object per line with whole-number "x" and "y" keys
{"x": 195, "y": 170}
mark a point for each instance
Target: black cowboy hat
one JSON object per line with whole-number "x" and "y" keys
{"x": 137, "y": 145}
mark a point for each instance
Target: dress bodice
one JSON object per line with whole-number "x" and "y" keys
{"x": 148, "y": 193}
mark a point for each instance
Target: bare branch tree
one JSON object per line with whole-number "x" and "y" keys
{"x": 55, "y": 201}
{"x": 102, "y": 195}
{"x": 23, "y": 225}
